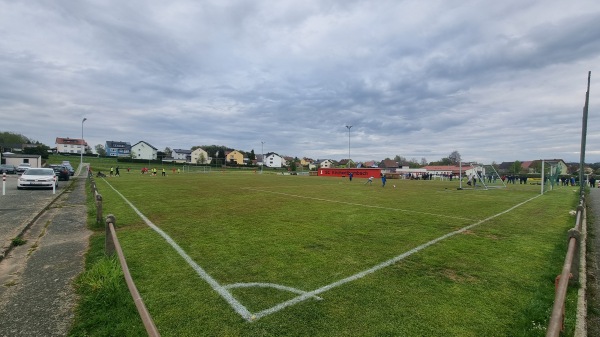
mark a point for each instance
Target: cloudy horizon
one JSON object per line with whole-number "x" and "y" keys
{"x": 494, "y": 81}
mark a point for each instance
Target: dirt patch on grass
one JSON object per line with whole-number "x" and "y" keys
{"x": 458, "y": 278}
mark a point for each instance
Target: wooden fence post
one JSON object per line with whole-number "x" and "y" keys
{"x": 109, "y": 244}
{"x": 98, "y": 208}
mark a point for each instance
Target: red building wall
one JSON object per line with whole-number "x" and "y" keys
{"x": 343, "y": 172}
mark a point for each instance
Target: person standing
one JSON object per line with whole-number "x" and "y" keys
{"x": 350, "y": 175}
{"x": 383, "y": 180}
{"x": 111, "y": 171}
{"x": 164, "y": 174}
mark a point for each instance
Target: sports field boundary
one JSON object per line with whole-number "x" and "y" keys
{"x": 238, "y": 307}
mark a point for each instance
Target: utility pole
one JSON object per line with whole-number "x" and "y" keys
{"x": 583, "y": 136}
{"x": 349, "y": 127}
{"x": 82, "y": 144}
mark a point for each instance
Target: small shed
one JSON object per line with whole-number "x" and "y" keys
{"x": 34, "y": 160}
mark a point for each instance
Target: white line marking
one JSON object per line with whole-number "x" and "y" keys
{"x": 387, "y": 263}
{"x": 268, "y": 285}
{"x": 356, "y": 204}
{"x": 247, "y": 315}
{"x": 235, "y": 304}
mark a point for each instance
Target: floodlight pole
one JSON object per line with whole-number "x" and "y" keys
{"x": 82, "y": 143}
{"x": 262, "y": 156}
{"x": 349, "y": 127}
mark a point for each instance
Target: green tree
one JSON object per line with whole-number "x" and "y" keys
{"x": 100, "y": 150}
{"x": 41, "y": 150}
{"x": 515, "y": 167}
{"x": 7, "y": 137}
{"x": 201, "y": 159}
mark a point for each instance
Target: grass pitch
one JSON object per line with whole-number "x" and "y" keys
{"x": 271, "y": 239}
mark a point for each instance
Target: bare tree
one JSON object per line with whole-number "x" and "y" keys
{"x": 454, "y": 157}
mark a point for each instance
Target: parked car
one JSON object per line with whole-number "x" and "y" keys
{"x": 70, "y": 169}
{"x": 61, "y": 172}
{"x": 8, "y": 169}
{"x": 23, "y": 167}
{"x": 37, "y": 178}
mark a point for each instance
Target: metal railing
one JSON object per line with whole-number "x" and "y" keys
{"x": 570, "y": 273}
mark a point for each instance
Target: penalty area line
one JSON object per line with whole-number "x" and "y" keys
{"x": 316, "y": 292}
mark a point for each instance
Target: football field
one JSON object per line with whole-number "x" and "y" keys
{"x": 240, "y": 254}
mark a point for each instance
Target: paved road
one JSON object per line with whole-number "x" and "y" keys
{"x": 36, "y": 279}
{"x": 593, "y": 264}
{"x": 19, "y": 207}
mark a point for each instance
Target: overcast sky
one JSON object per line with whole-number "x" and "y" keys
{"x": 493, "y": 80}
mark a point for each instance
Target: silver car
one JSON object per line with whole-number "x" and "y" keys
{"x": 37, "y": 178}
{"x": 23, "y": 167}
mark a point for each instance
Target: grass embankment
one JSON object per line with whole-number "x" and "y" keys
{"x": 495, "y": 279}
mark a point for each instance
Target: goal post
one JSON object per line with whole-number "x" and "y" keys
{"x": 480, "y": 175}
{"x": 196, "y": 169}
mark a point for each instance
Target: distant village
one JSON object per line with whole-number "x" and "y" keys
{"x": 223, "y": 156}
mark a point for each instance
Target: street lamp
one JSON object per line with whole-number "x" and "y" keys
{"x": 262, "y": 156}
{"x": 82, "y": 144}
{"x": 349, "y": 127}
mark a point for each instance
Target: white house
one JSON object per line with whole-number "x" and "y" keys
{"x": 327, "y": 163}
{"x": 70, "y": 145}
{"x": 273, "y": 160}
{"x": 199, "y": 156}
{"x": 181, "y": 155}
{"x": 143, "y": 150}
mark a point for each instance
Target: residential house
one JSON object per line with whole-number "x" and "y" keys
{"x": 234, "y": 157}
{"x": 306, "y": 161}
{"x": 445, "y": 170}
{"x": 346, "y": 163}
{"x": 287, "y": 160}
{"x": 389, "y": 165}
{"x": 181, "y": 155}
{"x": 200, "y": 156}
{"x": 143, "y": 150}
{"x": 118, "y": 148}
{"x": 370, "y": 164}
{"x": 272, "y": 159}
{"x": 70, "y": 145}
{"x": 325, "y": 163}
{"x": 557, "y": 164}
